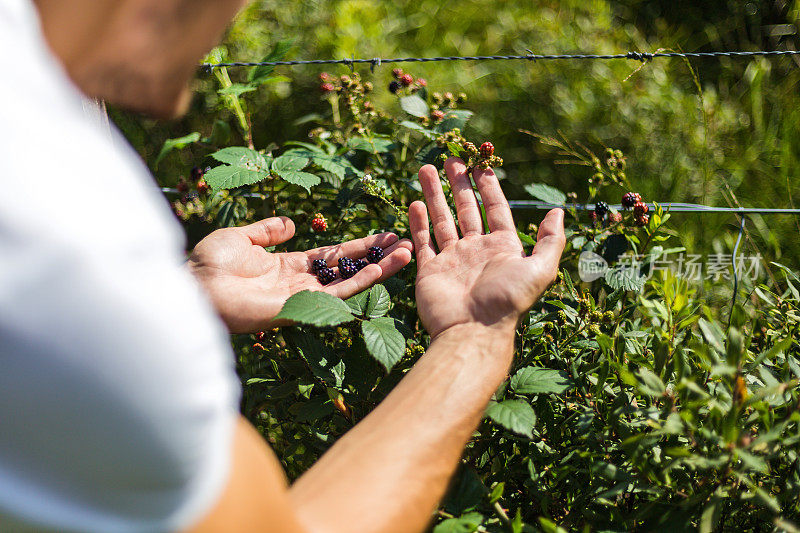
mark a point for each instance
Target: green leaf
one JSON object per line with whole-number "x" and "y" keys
{"x": 358, "y": 303}
{"x": 455, "y": 118}
{"x": 534, "y": 380}
{"x": 237, "y": 89}
{"x": 229, "y": 177}
{"x": 379, "y": 302}
{"x": 514, "y": 415}
{"x": 430, "y": 134}
{"x": 242, "y": 157}
{"x": 463, "y": 524}
{"x": 316, "y": 308}
{"x": 414, "y": 106}
{"x": 176, "y": 144}
{"x": 305, "y": 180}
{"x": 289, "y": 163}
{"x": 259, "y": 75}
{"x": 625, "y": 278}
{"x": 546, "y": 193}
{"x": 375, "y": 145}
{"x": 383, "y": 341}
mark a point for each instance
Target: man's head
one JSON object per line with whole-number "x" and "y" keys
{"x": 139, "y": 54}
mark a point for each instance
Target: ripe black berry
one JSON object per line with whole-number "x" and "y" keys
{"x": 601, "y": 208}
{"x": 347, "y": 268}
{"x": 375, "y": 254}
{"x": 326, "y": 275}
{"x": 360, "y": 264}
{"x": 317, "y": 265}
{"x": 394, "y": 86}
{"x": 630, "y": 198}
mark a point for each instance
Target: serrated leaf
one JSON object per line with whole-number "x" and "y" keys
{"x": 379, "y": 302}
{"x": 534, "y": 380}
{"x": 316, "y": 308}
{"x": 455, "y": 118}
{"x": 514, "y": 415}
{"x": 305, "y": 180}
{"x": 259, "y": 75}
{"x": 230, "y": 177}
{"x": 242, "y": 157}
{"x": 546, "y": 193}
{"x": 176, "y": 144}
{"x": 358, "y": 303}
{"x": 289, "y": 163}
{"x": 383, "y": 341}
{"x": 414, "y": 106}
{"x": 624, "y": 278}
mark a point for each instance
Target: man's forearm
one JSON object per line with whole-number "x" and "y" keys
{"x": 389, "y": 472}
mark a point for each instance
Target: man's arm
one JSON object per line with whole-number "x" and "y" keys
{"x": 387, "y": 474}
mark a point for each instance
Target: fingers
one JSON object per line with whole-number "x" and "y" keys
{"x": 444, "y": 227}
{"x": 270, "y": 231}
{"x": 469, "y": 216}
{"x": 420, "y": 232}
{"x": 498, "y": 213}
{"x": 356, "y": 248}
{"x": 549, "y": 244}
{"x": 397, "y": 256}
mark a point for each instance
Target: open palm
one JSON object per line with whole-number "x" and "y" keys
{"x": 477, "y": 278}
{"x": 249, "y": 285}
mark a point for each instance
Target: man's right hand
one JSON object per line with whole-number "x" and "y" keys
{"x": 479, "y": 278}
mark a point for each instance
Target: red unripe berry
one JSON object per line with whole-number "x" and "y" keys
{"x": 183, "y": 187}
{"x": 202, "y": 186}
{"x": 639, "y": 209}
{"x": 422, "y": 82}
{"x": 487, "y": 150}
{"x": 324, "y": 76}
{"x": 437, "y": 115}
{"x": 615, "y": 217}
{"x": 397, "y": 72}
{"x": 406, "y": 79}
{"x": 326, "y": 87}
{"x": 642, "y": 220}
{"x": 319, "y": 223}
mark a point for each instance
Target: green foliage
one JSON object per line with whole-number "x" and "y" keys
{"x": 637, "y": 401}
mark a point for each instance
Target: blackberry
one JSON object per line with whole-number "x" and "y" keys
{"x": 394, "y": 86}
{"x": 326, "y": 275}
{"x": 347, "y": 267}
{"x": 642, "y": 220}
{"x": 406, "y": 79}
{"x": 327, "y": 87}
{"x": 487, "y": 150}
{"x": 360, "y": 264}
{"x": 317, "y": 265}
{"x": 319, "y": 224}
{"x": 639, "y": 209}
{"x": 375, "y": 254}
{"x": 601, "y": 208}
{"x": 630, "y": 198}
{"x": 397, "y": 72}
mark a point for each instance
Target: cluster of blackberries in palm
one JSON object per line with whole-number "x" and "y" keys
{"x": 348, "y": 267}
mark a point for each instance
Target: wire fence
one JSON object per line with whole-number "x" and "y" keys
{"x": 530, "y": 56}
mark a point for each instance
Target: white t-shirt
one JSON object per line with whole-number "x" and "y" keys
{"x": 118, "y": 394}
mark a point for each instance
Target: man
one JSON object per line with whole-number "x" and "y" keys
{"x": 118, "y": 399}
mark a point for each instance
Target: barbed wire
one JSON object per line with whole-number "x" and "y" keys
{"x": 530, "y": 56}
{"x": 675, "y": 207}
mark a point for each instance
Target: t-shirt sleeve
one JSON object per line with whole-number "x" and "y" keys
{"x": 117, "y": 390}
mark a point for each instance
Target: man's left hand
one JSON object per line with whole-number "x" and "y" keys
{"x": 248, "y": 285}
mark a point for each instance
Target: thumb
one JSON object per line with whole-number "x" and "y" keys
{"x": 549, "y": 245}
{"x": 270, "y": 231}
